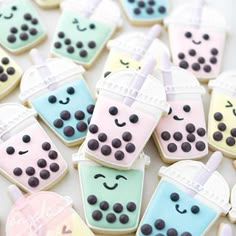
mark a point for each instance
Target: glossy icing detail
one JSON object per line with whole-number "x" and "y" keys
{"x": 20, "y": 26}
{"x": 10, "y": 74}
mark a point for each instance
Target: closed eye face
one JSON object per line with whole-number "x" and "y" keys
{"x": 230, "y": 105}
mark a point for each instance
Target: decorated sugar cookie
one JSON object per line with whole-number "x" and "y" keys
{"x": 43, "y": 213}
{"x": 84, "y": 29}
{"x": 27, "y": 155}
{"x": 221, "y": 126}
{"x": 131, "y": 102}
{"x": 48, "y": 3}
{"x": 10, "y": 74}
{"x": 55, "y": 88}
{"x": 129, "y": 51}
{"x": 182, "y": 133}
{"x": 146, "y": 12}
{"x": 189, "y": 198}
{"x": 111, "y": 198}
{"x": 197, "y": 36}
{"x": 21, "y": 27}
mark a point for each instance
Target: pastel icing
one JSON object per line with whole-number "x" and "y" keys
{"x": 20, "y": 25}
{"x": 10, "y": 74}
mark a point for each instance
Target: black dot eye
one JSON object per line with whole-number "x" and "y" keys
{"x": 174, "y": 197}
{"x": 10, "y": 150}
{"x": 14, "y": 8}
{"x": 206, "y": 36}
{"x": 92, "y": 26}
{"x": 187, "y": 108}
{"x": 26, "y": 138}
{"x": 170, "y": 111}
{"x": 52, "y": 99}
{"x": 188, "y": 34}
{"x": 133, "y": 118}
{"x": 70, "y": 90}
{"x": 195, "y": 209}
{"x": 113, "y": 111}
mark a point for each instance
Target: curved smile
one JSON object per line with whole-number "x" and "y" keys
{"x": 80, "y": 29}
{"x": 66, "y": 102}
{"x": 199, "y": 42}
{"x": 119, "y": 124}
{"x": 177, "y": 118}
{"x": 8, "y": 17}
{"x": 22, "y": 152}
{"x": 110, "y": 188}
{"x": 177, "y": 209}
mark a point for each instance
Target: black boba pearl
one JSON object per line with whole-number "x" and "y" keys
{"x": 54, "y": 167}
{"x": 186, "y": 234}
{"x": 81, "y": 126}
{"x": 11, "y": 38}
{"x": 119, "y": 155}
{"x": 178, "y": 136}
{"x": 93, "y": 144}
{"x": 70, "y": 49}
{"x": 118, "y": 208}
{"x": 11, "y": 70}
{"x": 65, "y": 115}
{"x": 91, "y": 44}
{"x": 34, "y": 21}
{"x": 5, "y": 61}
{"x": 137, "y": 11}
{"x": 1, "y": 69}
{"x": 206, "y": 36}
{"x": 24, "y": 27}
{"x": 174, "y": 197}
{"x": 24, "y": 36}
{"x": 42, "y": 163}
{"x": 181, "y": 56}
{"x": 200, "y": 146}
{"x": 213, "y": 60}
{"x": 191, "y": 138}
{"x": 102, "y": 137}
{"x": 222, "y": 127}
{"x": 14, "y": 30}
{"x": 104, "y": 205}
{"x": 149, "y": 10}
{"x": 159, "y": 224}
{"x": 192, "y": 52}
{"x": 33, "y": 31}
{"x": 151, "y": 2}
{"x": 58, "y": 123}
{"x": 67, "y": 41}
{"x": 124, "y": 219}
{"x": 146, "y": 229}
{"x": 188, "y": 34}
{"x": 201, "y": 132}
{"x": 33, "y": 182}
{"x": 214, "y": 51}
{"x": 218, "y": 116}
{"x": 92, "y": 199}
{"x": 217, "y": 136}
{"x": 190, "y": 128}
{"x": 79, "y": 115}
{"x": 133, "y": 118}
{"x": 3, "y": 77}
{"x": 162, "y": 9}
{"x": 83, "y": 53}
{"x": 10, "y": 150}
{"x": 57, "y": 45}
{"x": 233, "y": 132}
{"x": 44, "y": 174}
{"x": 53, "y": 155}
{"x": 116, "y": 143}
{"x": 17, "y": 171}
{"x": 93, "y": 129}
{"x": 79, "y": 44}
{"x": 26, "y": 138}
{"x": 207, "y": 68}
{"x": 106, "y": 150}
{"x": 30, "y": 171}
{"x": 127, "y": 136}
{"x": 183, "y": 64}
{"x": 141, "y": 3}
{"x": 186, "y": 147}
{"x": 52, "y": 99}
{"x": 27, "y": 16}
{"x": 90, "y": 108}
{"x": 230, "y": 141}
{"x": 89, "y": 119}
{"x": 111, "y": 218}
{"x": 165, "y": 135}
{"x": 113, "y": 111}
{"x": 196, "y": 67}
{"x": 131, "y": 206}
{"x": 130, "y": 147}
{"x": 172, "y": 147}
{"x": 195, "y": 209}
{"x": 172, "y": 232}
{"x": 201, "y": 60}
{"x": 97, "y": 215}
{"x": 61, "y": 35}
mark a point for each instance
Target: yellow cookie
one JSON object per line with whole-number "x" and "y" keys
{"x": 48, "y": 4}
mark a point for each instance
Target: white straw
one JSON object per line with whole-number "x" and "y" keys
{"x": 197, "y": 12}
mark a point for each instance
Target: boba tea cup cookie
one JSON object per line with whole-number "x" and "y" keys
{"x": 130, "y": 50}
{"x": 189, "y": 198}
{"x": 28, "y": 157}
{"x": 48, "y": 4}
{"x": 10, "y": 74}
{"x": 225, "y": 230}
{"x": 84, "y": 29}
{"x": 197, "y": 35}
{"x": 109, "y": 205}
{"x": 181, "y": 134}
{"x": 222, "y": 113}
{"x": 44, "y": 214}
{"x": 146, "y": 12}
{"x": 132, "y": 102}
{"x": 21, "y": 27}
{"x": 232, "y": 212}
{"x": 55, "y": 88}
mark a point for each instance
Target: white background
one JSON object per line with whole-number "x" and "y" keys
{"x": 70, "y": 184}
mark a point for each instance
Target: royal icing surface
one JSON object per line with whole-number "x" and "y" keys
{"x": 20, "y": 26}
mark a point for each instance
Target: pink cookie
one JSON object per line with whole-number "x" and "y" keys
{"x": 27, "y": 155}
{"x": 197, "y": 38}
